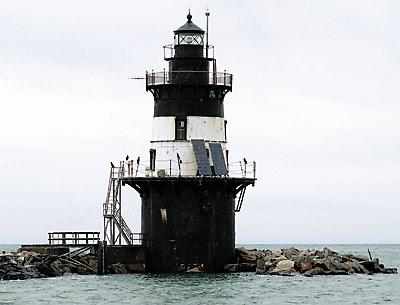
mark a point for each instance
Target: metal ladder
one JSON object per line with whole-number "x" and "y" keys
{"x": 240, "y": 200}
{"x": 115, "y": 227}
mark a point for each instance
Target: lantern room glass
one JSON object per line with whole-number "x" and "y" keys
{"x": 189, "y": 39}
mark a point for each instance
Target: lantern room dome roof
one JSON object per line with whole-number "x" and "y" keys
{"x": 189, "y": 27}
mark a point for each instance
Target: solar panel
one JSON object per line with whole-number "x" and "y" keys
{"x": 218, "y": 159}
{"x": 200, "y": 153}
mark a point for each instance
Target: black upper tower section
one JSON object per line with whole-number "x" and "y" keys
{"x": 192, "y": 86}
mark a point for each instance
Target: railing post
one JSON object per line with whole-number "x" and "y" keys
{"x": 49, "y": 238}
{"x": 254, "y": 169}
{"x": 224, "y": 77}
{"x": 164, "y": 76}
{"x": 153, "y": 77}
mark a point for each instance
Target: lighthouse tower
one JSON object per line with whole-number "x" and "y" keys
{"x": 188, "y": 189}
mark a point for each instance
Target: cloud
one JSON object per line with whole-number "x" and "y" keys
{"x": 315, "y": 102}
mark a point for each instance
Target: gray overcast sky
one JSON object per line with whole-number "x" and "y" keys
{"x": 315, "y": 102}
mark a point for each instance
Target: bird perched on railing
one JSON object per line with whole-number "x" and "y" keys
{"x": 112, "y": 165}
{"x": 127, "y": 157}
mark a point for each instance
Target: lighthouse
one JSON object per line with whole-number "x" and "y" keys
{"x": 189, "y": 189}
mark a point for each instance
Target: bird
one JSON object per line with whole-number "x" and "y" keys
{"x": 138, "y": 160}
{"x": 127, "y": 157}
{"x": 112, "y": 165}
{"x": 244, "y": 160}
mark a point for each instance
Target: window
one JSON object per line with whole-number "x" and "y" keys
{"x": 180, "y": 129}
{"x": 152, "y": 159}
{"x": 186, "y": 38}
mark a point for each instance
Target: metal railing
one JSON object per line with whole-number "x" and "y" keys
{"x": 73, "y": 238}
{"x": 138, "y": 238}
{"x": 189, "y": 77}
{"x": 169, "y": 51}
{"x": 174, "y": 168}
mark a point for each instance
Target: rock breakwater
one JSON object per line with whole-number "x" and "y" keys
{"x": 292, "y": 261}
{"x": 25, "y": 265}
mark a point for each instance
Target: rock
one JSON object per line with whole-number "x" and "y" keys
{"x": 92, "y": 262}
{"x": 248, "y": 256}
{"x": 328, "y": 252}
{"x": 135, "y": 267}
{"x": 276, "y": 259}
{"x": 117, "y": 268}
{"x": 389, "y": 271}
{"x": 261, "y": 264}
{"x": 338, "y": 266}
{"x": 303, "y": 263}
{"x": 358, "y": 268}
{"x": 196, "y": 269}
{"x": 231, "y": 268}
{"x": 314, "y": 271}
{"x": 371, "y": 266}
{"x": 15, "y": 275}
{"x": 285, "y": 266}
{"x": 360, "y": 258}
{"x": 323, "y": 264}
{"x": 32, "y": 257}
{"x": 247, "y": 267}
{"x": 66, "y": 269}
{"x": 291, "y": 252}
{"x": 305, "y": 266}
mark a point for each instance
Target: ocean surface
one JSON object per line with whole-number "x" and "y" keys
{"x": 239, "y": 288}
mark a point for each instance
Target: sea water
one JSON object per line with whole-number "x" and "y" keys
{"x": 234, "y": 288}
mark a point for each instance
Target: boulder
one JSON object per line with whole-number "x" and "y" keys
{"x": 289, "y": 253}
{"x": 314, "y": 271}
{"x": 323, "y": 264}
{"x": 338, "y": 266}
{"x": 92, "y": 262}
{"x": 196, "y": 269}
{"x": 358, "y": 268}
{"x": 303, "y": 263}
{"x": 328, "y": 252}
{"x": 117, "y": 268}
{"x": 261, "y": 264}
{"x": 284, "y": 266}
{"x": 372, "y": 266}
{"x": 305, "y": 266}
{"x": 360, "y": 258}
{"x": 248, "y": 256}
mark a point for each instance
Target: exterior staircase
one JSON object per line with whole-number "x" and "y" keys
{"x": 115, "y": 227}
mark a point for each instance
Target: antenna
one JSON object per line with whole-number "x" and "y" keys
{"x": 207, "y": 15}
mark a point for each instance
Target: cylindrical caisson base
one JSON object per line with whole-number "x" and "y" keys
{"x": 188, "y": 221}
